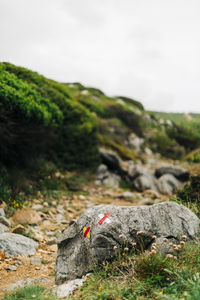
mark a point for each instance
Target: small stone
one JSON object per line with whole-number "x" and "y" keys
{"x": 37, "y": 207}
{"x": 52, "y": 241}
{"x": 53, "y": 248}
{"x": 2, "y": 213}
{"x": 45, "y": 204}
{"x": 26, "y": 215}
{"x": 11, "y": 268}
{"x": 50, "y": 233}
{"x": 35, "y": 261}
{"x": 82, "y": 197}
{"x": 60, "y": 217}
{"x": 18, "y": 263}
{"x": 146, "y": 201}
{"x": 20, "y": 229}
{"x": 66, "y": 289}
{"x": 5, "y": 221}
{"x": 126, "y": 195}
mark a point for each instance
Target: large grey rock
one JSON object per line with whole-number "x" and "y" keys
{"x": 14, "y": 244}
{"x": 146, "y": 182}
{"x": 79, "y": 250}
{"x": 168, "y": 184}
{"x": 178, "y": 172}
{"x": 110, "y": 159}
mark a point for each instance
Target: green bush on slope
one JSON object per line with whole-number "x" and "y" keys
{"x": 43, "y": 119}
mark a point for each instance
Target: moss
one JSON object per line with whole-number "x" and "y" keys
{"x": 132, "y": 101}
{"x": 122, "y": 151}
{"x": 193, "y": 156}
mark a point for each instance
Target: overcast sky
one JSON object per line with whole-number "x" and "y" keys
{"x": 145, "y": 49}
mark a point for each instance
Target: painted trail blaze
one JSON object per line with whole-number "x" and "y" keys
{"x": 104, "y": 218}
{"x": 86, "y": 232}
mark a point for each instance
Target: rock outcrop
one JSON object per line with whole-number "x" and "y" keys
{"x": 15, "y": 244}
{"x": 90, "y": 240}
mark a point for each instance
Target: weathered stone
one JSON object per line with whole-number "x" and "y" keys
{"x": 36, "y": 261}
{"x": 112, "y": 180}
{"x": 3, "y": 228}
{"x": 179, "y": 173}
{"x": 11, "y": 268}
{"x": 4, "y": 221}
{"x": 126, "y": 195}
{"x": 146, "y": 201}
{"x": 26, "y": 216}
{"x": 145, "y": 182}
{"x": 26, "y": 282}
{"x": 2, "y": 213}
{"x": 168, "y": 184}
{"x": 37, "y": 207}
{"x": 102, "y": 172}
{"x": 136, "y": 170}
{"x": 79, "y": 251}
{"x": 15, "y": 244}
{"x": 66, "y": 289}
{"x": 20, "y": 229}
{"x": 110, "y": 159}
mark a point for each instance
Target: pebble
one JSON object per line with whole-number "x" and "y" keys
{"x": 11, "y": 268}
{"x": 52, "y": 241}
{"x": 37, "y": 207}
{"x": 35, "y": 261}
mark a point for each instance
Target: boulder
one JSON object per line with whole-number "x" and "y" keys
{"x": 168, "y": 184}
{"x": 112, "y": 180}
{"x": 135, "y": 142}
{"x": 15, "y": 244}
{"x": 136, "y": 170}
{"x": 102, "y": 172}
{"x": 26, "y": 215}
{"x": 92, "y": 238}
{"x": 179, "y": 173}
{"x": 110, "y": 159}
{"x": 146, "y": 182}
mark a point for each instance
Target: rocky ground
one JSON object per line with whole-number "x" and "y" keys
{"x": 44, "y": 220}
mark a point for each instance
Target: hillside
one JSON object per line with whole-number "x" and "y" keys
{"x": 46, "y": 126}
{"x": 65, "y": 148}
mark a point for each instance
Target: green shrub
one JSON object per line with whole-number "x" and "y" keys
{"x": 191, "y": 192}
{"x": 40, "y": 118}
{"x": 166, "y": 146}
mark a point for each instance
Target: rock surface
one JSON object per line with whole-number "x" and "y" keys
{"x": 91, "y": 239}
{"x": 168, "y": 184}
{"x": 25, "y": 215}
{"x": 178, "y": 172}
{"x": 66, "y": 289}
{"x": 14, "y": 244}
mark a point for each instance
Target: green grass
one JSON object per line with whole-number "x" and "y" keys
{"x": 28, "y": 293}
{"x": 146, "y": 277}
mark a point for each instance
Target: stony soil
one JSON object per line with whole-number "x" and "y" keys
{"x": 55, "y": 216}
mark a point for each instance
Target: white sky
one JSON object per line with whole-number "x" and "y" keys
{"x": 145, "y": 49}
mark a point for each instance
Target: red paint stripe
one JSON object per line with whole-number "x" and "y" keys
{"x": 103, "y": 219}
{"x": 86, "y": 232}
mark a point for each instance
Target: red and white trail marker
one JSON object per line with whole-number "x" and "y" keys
{"x": 104, "y": 218}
